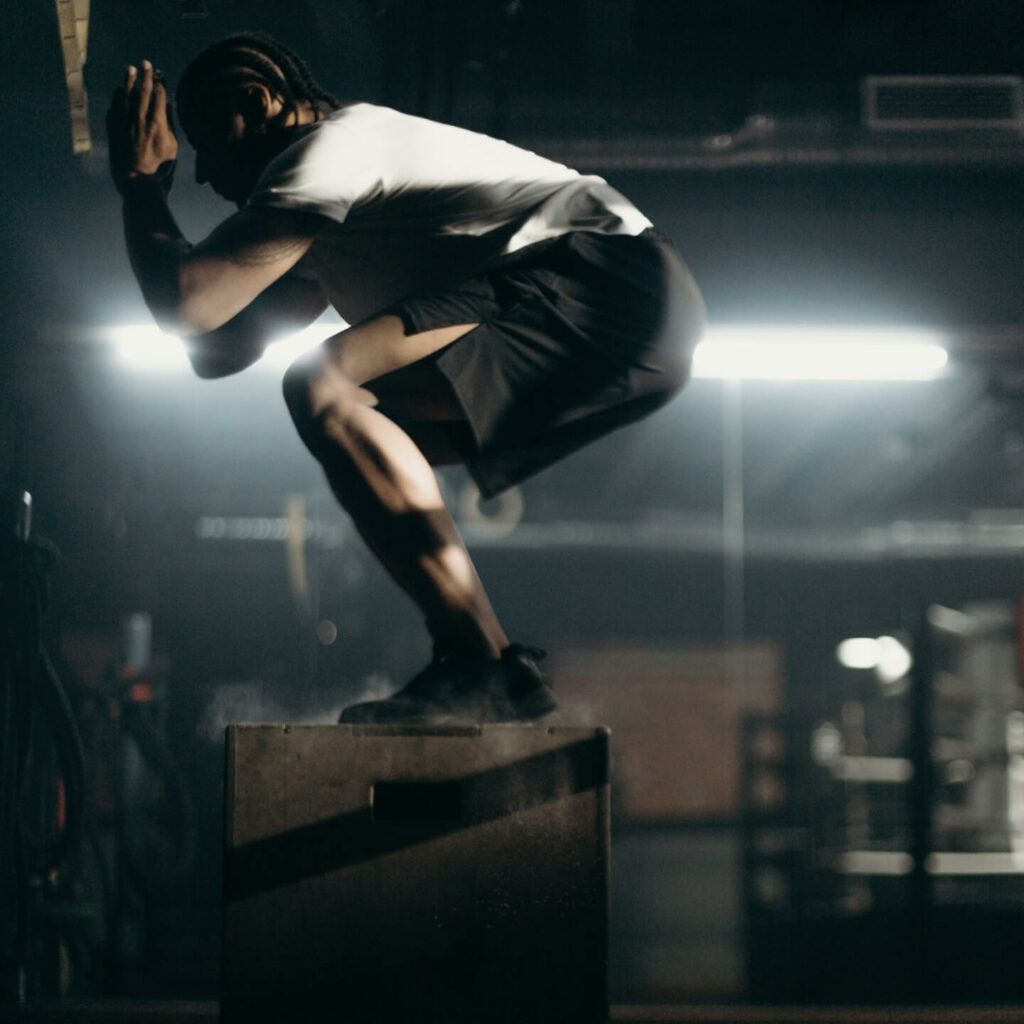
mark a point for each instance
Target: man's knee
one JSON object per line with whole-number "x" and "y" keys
{"x": 297, "y": 387}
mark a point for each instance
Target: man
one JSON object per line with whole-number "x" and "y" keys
{"x": 506, "y": 310}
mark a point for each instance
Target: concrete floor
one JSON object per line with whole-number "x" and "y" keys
{"x": 117, "y": 1011}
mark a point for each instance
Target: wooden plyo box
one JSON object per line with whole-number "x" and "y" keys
{"x": 386, "y": 874}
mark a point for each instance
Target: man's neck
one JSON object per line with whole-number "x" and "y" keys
{"x": 304, "y": 113}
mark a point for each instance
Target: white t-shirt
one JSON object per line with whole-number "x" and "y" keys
{"x": 414, "y": 204}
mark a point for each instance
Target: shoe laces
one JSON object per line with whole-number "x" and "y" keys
{"x": 455, "y": 665}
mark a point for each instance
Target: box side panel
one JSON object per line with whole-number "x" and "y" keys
{"x": 497, "y": 913}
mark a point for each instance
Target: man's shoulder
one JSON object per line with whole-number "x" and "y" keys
{"x": 350, "y": 125}
{"x": 358, "y": 116}
{"x": 328, "y": 165}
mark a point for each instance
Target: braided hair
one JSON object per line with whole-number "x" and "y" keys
{"x": 246, "y": 57}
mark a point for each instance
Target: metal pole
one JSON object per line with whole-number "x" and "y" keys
{"x": 733, "y": 526}
{"x": 920, "y": 802}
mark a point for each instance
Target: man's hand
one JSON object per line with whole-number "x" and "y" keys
{"x": 139, "y": 131}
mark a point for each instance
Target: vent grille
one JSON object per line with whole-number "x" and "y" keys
{"x": 934, "y": 102}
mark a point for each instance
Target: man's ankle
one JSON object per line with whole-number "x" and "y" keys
{"x": 472, "y": 647}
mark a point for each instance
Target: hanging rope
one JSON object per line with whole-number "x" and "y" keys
{"x": 34, "y": 708}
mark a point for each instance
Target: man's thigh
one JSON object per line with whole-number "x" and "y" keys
{"x": 420, "y": 399}
{"x": 380, "y": 348}
{"x": 419, "y": 392}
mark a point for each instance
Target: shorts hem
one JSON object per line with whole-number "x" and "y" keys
{"x": 486, "y": 485}
{"x": 410, "y": 322}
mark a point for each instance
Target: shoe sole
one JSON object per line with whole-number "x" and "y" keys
{"x": 540, "y": 703}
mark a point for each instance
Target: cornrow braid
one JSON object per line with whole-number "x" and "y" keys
{"x": 263, "y": 57}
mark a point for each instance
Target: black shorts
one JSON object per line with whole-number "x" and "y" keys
{"x": 578, "y": 335}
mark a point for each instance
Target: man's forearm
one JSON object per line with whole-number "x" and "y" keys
{"x": 288, "y": 304}
{"x": 156, "y": 247}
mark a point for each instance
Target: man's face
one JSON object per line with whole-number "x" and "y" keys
{"x": 231, "y": 151}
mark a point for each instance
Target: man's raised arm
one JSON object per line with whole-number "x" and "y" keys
{"x": 190, "y": 289}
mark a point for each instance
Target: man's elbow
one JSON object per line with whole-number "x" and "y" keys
{"x": 213, "y": 356}
{"x": 210, "y": 367}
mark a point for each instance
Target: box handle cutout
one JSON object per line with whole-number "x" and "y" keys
{"x": 416, "y": 801}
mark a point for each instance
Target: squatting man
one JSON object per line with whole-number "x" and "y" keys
{"x": 505, "y": 308}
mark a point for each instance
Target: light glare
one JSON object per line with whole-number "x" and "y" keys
{"x": 891, "y": 660}
{"x": 819, "y": 353}
{"x": 894, "y": 660}
{"x": 728, "y": 351}
{"x": 859, "y": 652}
{"x": 146, "y": 348}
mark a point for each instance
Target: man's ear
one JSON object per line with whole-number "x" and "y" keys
{"x": 257, "y": 104}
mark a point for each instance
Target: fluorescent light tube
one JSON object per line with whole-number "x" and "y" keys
{"x": 819, "y": 353}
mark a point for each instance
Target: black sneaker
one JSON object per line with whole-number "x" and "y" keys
{"x": 456, "y": 690}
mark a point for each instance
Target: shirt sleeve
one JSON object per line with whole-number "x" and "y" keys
{"x": 315, "y": 174}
